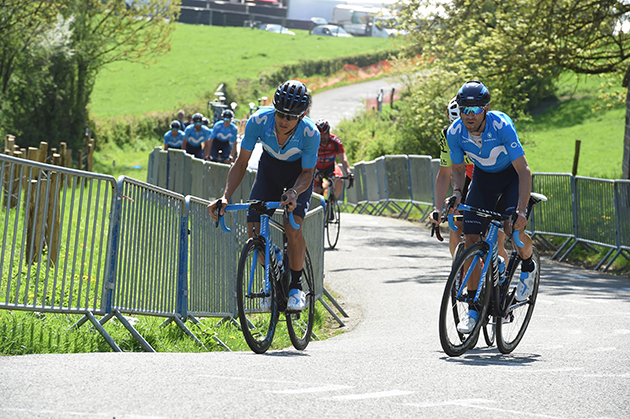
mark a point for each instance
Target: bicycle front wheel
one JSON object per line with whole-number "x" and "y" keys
{"x": 456, "y": 299}
{"x": 333, "y": 223}
{"x": 300, "y": 324}
{"x": 512, "y": 327}
{"x": 257, "y": 309}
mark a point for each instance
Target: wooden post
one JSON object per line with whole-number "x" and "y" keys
{"x": 6, "y": 186}
{"x": 43, "y": 152}
{"x": 89, "y": 163}
{"x": 9, "y": 142}
{"x": 53, "y": 217}
{"x": 62, "y": 151}
{"x": 68, "y": 158}
{"x": 576, "y": 157}
{"x": 15, "y": 188}
{"x": 35, "y": 222}
{"x": 80, "y": 159}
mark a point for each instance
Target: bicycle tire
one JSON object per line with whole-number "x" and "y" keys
{"x": 489, "y": 331}
{"x": 333, "y": 223}
{"x": 258, "y": 326}
{"x": 300, "y": 324}
{"x": 511, "y": 329}
{"x": 452, "y": 308}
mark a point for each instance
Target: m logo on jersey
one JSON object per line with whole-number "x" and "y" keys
{"x": 260, "y": 120}
{"x": 490, "y": 160}
{"x": 455, "y": 129}
{"x": 224, "y": 137}
{"x": 290, "y": 152}
{"x": 308, "y": 132}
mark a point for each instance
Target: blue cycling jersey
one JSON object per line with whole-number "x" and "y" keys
{"x": 500, "y": 145}
{"x": 171, "y": 141}
{"x": 303, "y": 143}
{"x": 195, "y": 138}
{"x": 222, "y": 133}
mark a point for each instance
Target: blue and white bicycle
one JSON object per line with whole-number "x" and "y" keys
{"x": 262, "y": 288}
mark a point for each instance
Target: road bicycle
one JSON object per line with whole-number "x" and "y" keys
{"x": 262, "y": 287}
{"x": 332, "y": 222}
{"x": 501, "y": 316}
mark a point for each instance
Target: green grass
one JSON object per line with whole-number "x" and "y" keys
{"x": 202, "y": 57}
{"x": 23, "y": 333}
{"x": 549, "y": 139}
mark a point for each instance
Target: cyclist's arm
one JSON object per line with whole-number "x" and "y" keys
{"x": 442, "y": 181}
{"x": 524, "y": 189}
{"x": 302, "y": 183}
{"x": 236, "y": 173}
{"x": 345, "y": 163}
{"x": 184, "y": 141}
{"x": 458, "y": 175}
{"x": 207, "y": 147}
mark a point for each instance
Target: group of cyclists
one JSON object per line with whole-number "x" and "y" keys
{"x": 295, "y": 149}
{"x": 216, "y": 144}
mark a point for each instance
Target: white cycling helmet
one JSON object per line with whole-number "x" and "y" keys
{"x": 453, "y": 110}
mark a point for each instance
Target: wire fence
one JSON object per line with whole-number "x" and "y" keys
{"x": 83, "y": 243}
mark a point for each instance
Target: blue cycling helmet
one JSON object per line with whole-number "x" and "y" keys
{"x": 292, "y": 98}
{"x": 473, "y": 93}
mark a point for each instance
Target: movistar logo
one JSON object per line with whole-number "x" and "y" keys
{"x": 490, "y": 160}
{"x": 308, "y": 132}
{"x": 260, "y": 120}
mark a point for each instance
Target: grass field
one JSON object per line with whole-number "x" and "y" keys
{"x": 202, "y": 57}
{"x": 549, "y": 139}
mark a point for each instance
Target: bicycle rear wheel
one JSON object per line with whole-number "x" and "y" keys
{"x": 300, "y": 324}
{"x": 512, "y": 327}
{"x": 257, "y": 310}
{"x": 454, "y": 304}
{"x": 489, "y": 331}
{"x": 333, "y": 223}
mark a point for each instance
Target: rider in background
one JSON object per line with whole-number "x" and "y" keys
{"x": 223, "y": 138}
{"x": 489, "y": 139}
{"x": 330, "y": 147}
{"x": 195, "y": 135}
{"x": 285, "y": 172}
{"x": 174, "y": 137}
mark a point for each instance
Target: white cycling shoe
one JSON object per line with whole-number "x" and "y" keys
{"x": 525, "y": 284}
{"x": 466, "y": 325}
{"x": 297, "y": 300}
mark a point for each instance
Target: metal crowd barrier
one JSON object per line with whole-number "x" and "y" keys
{"x": 81, "y": 243}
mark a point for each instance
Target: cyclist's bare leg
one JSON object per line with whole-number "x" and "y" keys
{"x": 252, "y": 231}
{"x": 501, "y": 243}
{"x": 338, "y": 186}
{"x": 473, "y": 281}
{"x": 526, "y": 251}
{"x": 455, "y": 237}
{"x": 296, "y": 245}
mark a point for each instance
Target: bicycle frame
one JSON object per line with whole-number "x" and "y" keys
{"x": 265, "y": 232}
{"x": 491, "y": 259}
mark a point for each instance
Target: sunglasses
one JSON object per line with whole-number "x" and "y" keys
{"x": 282, "y": 115}
{"x": 475, "y": 110}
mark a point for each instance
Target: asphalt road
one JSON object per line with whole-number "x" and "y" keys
{"x": 343, "y": 102}
{"x": 574, "y": 361}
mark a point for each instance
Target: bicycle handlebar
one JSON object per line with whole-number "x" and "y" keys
{"x": 265, "y": 205}
{"x": 488, "y": 214}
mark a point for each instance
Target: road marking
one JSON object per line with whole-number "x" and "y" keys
{"x": 468, "y": 403}
{"x": 255, "y": 380}
{"x": 322, "y": 389}
{"x": 621, "y": 332}
{"x": 378, "y": 395}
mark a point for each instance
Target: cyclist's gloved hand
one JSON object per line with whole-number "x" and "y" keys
{"x": 350, "y": 180}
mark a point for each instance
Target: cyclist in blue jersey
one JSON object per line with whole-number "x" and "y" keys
{"x": 174, "y": 137}
{"x": 223, "y": 138}
{"x": 286, "y": 169}
{"x": 195, "y": 135}
{"x": 489, "y": 140}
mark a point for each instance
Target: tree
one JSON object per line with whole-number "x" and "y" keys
{"x": 49, "y": 97}
{"x": 517, "y": 48}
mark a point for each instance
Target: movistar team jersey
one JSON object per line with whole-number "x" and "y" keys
{"x": 195, "y": 138}
{"x": 171, "y": 141}
{"x": 499, "y": 147}
{"x": 222, "y": 133}
{"x": 445, "y": 155}
{"x": 303, "y": 144}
